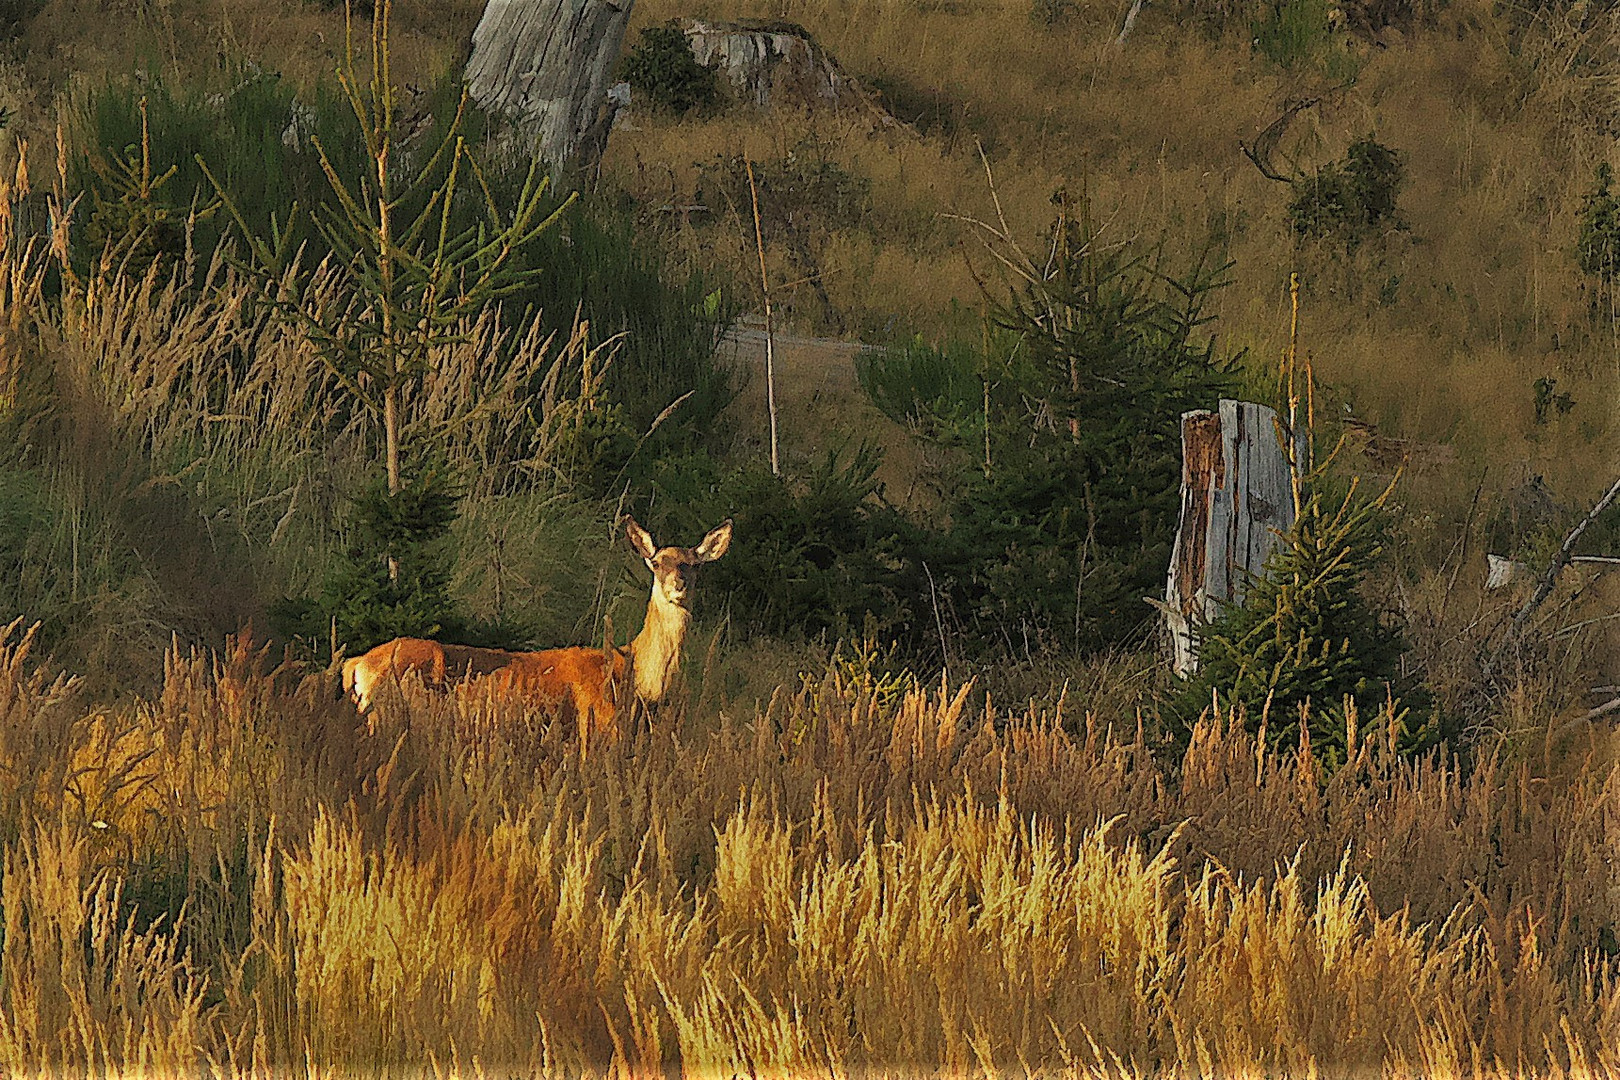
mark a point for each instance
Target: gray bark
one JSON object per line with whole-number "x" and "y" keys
{"x": 774, "y": 64}
{"x": 1566, "y": 554}
{"x": 1237, "y": 499}
{"x": 1130, "y": 22}
{"x": 546, "y": 65}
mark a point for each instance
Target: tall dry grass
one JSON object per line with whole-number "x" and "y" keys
{"x": 1435, "y": 335}
{"x": 175, "y": 454}
{"x": 858, "y": 878}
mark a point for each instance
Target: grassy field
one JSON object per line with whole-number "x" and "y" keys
{"x": 813, "y": 861}
{"x": 1441, "y": 326}
{"x": 1434, "y": 334}
{"x": 863, "y": 877}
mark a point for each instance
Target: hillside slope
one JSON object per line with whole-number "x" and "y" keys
{"x": 1435, "y": 332}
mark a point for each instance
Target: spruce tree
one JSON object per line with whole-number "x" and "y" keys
{"x": 1306, "y": 646}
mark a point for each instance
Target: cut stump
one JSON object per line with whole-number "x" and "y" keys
{"x": 1237, "y": 499}
{"x": 546, "y": 65}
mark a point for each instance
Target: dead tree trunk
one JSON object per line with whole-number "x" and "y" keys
{"x": 1237, "y": 499}
{"x": 546, "y": 66}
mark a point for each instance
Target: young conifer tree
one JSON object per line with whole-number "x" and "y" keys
{"x": 1305, "y": 646}
{"x": 408, "y": 275}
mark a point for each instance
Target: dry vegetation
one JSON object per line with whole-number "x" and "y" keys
{"x": 231, "y": 872}
{"x": 196, "y": 455}
{"x": 864, "y": 877}
{"x": 1437, "y": 335}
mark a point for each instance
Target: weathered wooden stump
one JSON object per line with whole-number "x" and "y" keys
{"x": 774, "y": 64}
{"x": 546, "y": 66}
{"x": 1237, "y": 499}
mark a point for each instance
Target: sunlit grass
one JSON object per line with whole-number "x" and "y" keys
{"x": 857, "y": 879}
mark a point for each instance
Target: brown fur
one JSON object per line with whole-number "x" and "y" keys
{"x": 581, "y": 680}
{"x": 437, "y": 665}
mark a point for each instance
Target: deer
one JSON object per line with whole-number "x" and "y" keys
{"x": 582, "y": 679}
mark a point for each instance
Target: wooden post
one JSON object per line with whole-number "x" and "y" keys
{"x": 770, "y": 344}
{"x": 547, "y": 65}
{"x": 1236, "y": 502}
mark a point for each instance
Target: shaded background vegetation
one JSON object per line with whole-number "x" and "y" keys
{"x": 881, "y": 525}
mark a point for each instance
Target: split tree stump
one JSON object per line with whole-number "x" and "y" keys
{"x": 546, "y": 65}
{"x": 1237, "y": 499}
{"x": 771, "y": 64}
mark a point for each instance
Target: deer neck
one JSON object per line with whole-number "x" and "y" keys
{"x": 656, "y": 651}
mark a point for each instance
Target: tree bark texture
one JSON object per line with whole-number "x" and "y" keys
{"x": 546, "y": 65}
{"x": 774, "y": 64}
{"x": 1237, "y": 499}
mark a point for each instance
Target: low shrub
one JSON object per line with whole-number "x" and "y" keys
{"x": 803, "y": 191}
{"x": 1352, "y": 200}
{"x": 394, "y": 580}
{"x": 1597, "y": 252}
{"x": 662, "y": 70}
{"x": 818, "y": 554}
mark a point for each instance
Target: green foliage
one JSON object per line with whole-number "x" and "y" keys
{"x": 409, "y": 272}
{"x": 367, "y": 604}
{"x": 1598, "y": 249}
{"x": 1290, "y": 32}
{"x": 1060, "y": 505}
{"x": 662, "y": 69}
{"x": 1305, "y": 638}
{"x": 25, "y": 521}
{"x": 261, "y": 144}
{"x": 1350, "y": 201}
{"x": 820, "y": 554}
{"x": 671, "y": 324}
{"x": 1550, "y": 400}
{"x": 1062, "y": 502}
{"x": 137, "y": 165}
{"x": 936, "y": 391}
{"x": 1299, "y": 34}
{"x": 130, "y": 220}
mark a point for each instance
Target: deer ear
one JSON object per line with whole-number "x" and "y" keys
{"x": 640, "y": 540}
{"x": 715, "y": 544}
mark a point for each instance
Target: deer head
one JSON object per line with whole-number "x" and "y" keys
{"x": 675, "y": 568}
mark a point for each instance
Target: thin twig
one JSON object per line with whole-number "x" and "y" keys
{"x": 1564, "y": 631}
{"x": 1607, "y": 708}
{"x": 1550, "y": 578}
{"x": 765, "y": 290}
{"x": 1460, "y": 549}
{"x": 939, "y": 623}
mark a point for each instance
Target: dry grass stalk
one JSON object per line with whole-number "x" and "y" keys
{"x": 853, "y": 882}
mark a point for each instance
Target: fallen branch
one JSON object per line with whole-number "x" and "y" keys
{"x": 1549, "y": 579}
{"x": 1265, "y": 144}
{"x": 1607, "y": 708}
{"x": 1130, "y": 23}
